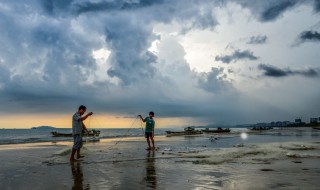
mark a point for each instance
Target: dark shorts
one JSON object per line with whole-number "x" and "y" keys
{"x": 148, "y": 134}
{"x": 77, "y": 142}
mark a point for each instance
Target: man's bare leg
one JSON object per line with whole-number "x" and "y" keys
{"x": 153, "y": 143}
{"x": 78, "y": 154}
{"x": 149, "y": 148}
{"x": 73, "y": 152}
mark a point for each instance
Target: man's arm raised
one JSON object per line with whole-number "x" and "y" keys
{"x": 86, "y": 116}
{"x": 142, "y": 118}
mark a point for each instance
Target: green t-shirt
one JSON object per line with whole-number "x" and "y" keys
{"x": 149, "y": 124}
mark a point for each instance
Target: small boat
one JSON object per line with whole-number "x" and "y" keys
{"x": 218, "y": 130}
{"x": 318, "y": 128}
{"x": 90, "y": 133}
{"x": 187, "y": 131}
{"x": 260, "y": 128}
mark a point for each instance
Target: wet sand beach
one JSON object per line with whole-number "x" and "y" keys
{"x": 180, "y": 163}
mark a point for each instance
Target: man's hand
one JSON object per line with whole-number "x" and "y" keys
{"x": 85, "y": 131}
{"x": 141, "y": 118}
{"x": 90, "y": 113}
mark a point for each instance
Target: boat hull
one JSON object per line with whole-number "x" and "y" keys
{"x": 183, "y": 133}
{"x": 217, "y": 131}
{"x": 90, "y": 134}
{"x": 260, "y": 128}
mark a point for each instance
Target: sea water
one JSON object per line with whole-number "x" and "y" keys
{"x": 236, "y": 137}
{"x": 14, "y": 136}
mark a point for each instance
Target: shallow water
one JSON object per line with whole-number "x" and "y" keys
{"x": 280, "y": 159}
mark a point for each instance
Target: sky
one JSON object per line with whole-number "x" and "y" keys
{"x": 192, "y": 62}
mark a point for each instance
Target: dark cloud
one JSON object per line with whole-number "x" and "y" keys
{"x": 236, "y": 55}
{"x": 54, "y": 69}
{"x": 64, "y": 7}
{"x": 128, "y": 31}
{"x": 55, "y": 6}
{"x": 272, "y": 71}
{"x": 257, "y": 40}
{"x": 276, "y": 10}
{"x": 83, "y": 7}
{"x": 317, "y": 5}
{"x": 266, "y": 11}
{"x": 129, "y": 56}
{"x": 214, "y": 81}
{"x": 49, "y": 54}
{"x": 310, "y": 36}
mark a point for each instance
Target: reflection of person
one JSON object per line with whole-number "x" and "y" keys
{"x": 149, "y": 131}
{"x": 77, "y": 128}
{"x": 151, "y": 175}
{"x": 77, "y": 176}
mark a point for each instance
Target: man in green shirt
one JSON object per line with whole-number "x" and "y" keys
{"x": 149, "y": 131}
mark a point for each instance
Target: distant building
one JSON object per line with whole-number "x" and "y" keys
{"x": 314, "y": 120}
{"x": 298, "y": 121}
{"x": 286, "y": 123}
{"x": 279, "y": 123}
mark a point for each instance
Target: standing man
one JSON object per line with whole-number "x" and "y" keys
{"x": 77, "y": 128}
{"x": 149, "y": 131}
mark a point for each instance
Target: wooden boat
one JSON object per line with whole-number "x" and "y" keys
{"x": 90, "y": 133}
{"x": 187, "y": 131}
{"x": 218, "y": 130}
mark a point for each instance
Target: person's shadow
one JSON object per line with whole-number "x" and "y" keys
{"x": 77, "y": 176}
{"x": 151, "y": 175}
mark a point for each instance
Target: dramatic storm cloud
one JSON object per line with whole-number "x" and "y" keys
{"x": 125, "y": 57}
{"x": 236, "y": 55}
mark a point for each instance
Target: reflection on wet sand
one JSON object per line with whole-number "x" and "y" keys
{"x": 77, "y": 176}
{"x": 151, "y": 175}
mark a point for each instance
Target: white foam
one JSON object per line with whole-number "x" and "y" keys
{"x": 258, "y": 152}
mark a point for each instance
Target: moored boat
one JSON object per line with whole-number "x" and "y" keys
{"x": 90, "y": 133}
{"x": 218, "y": 130}
{"x": 187, "y": 131}
{"x": 260, "y": 128}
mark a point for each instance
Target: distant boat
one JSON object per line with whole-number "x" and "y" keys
{"x": 43, "y": 127}
{"x": 91, "y": 133}
{"x": 260, "y": 128}
{"x": 218, "y": 130}
{"x": 187, "y": 131}
{"x": 318, "y": 128}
